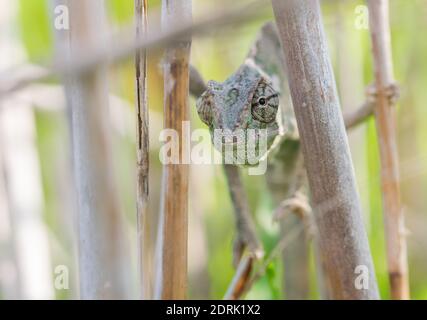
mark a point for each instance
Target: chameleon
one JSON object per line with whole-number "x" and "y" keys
{"x": 256, "y": 96}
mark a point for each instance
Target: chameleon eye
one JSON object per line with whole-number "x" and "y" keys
{"x": 204, "y": 108}
{"x": 265, "y": 103}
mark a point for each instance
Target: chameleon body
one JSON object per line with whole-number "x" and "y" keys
{"x": 256, "y": 96}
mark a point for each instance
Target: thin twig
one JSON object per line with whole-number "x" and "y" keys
{"x": 353, "y": 119}
{"x": 241, "y": 278}
{"x": 385, "y": 116}
{"x": 89, "y": 59}
{"x": 142, "y": 152}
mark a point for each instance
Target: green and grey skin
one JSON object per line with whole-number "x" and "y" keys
{"x": 256, "y": 96}
{"x": 249, "y": 99}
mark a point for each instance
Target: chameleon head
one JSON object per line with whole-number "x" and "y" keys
{"x": 241, "y": 108}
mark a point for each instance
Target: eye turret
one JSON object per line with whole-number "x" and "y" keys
{"x": 265, "y": 103}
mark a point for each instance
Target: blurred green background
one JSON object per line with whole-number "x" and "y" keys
{"x": 217, "y": 54}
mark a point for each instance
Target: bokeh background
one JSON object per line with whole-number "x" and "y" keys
{"x": 37, "y": 210}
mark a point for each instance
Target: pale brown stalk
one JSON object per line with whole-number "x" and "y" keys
{"x": 385, "y": 118}
{"x": 172, "y": 276}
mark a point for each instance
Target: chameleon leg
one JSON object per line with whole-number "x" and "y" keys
{"x": 246, "y": 234}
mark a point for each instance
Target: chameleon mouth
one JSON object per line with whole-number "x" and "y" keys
{"x": 245, "y": 149}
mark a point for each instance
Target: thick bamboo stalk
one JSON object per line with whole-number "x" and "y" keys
{"x": 385, "y": 118}
{"x": 343, "y": 241}
{"x": 172, "y": 273}
{"x": 142, "y": 163}
{"x": 102, "y": 258}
